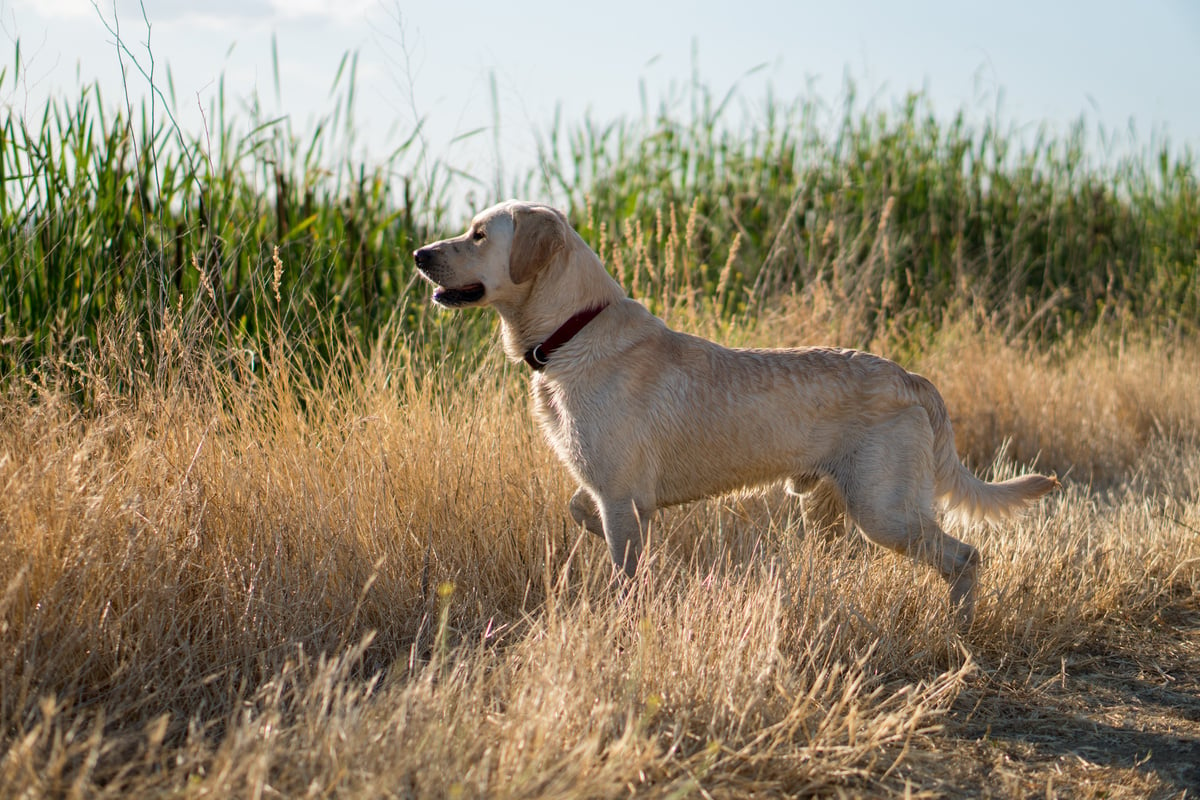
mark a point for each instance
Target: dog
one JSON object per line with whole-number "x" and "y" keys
{"x": 645, "y": 417}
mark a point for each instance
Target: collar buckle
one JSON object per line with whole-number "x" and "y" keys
{"x": 536, "y": 358}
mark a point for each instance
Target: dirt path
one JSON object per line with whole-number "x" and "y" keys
{"x": 1121, "y": 721}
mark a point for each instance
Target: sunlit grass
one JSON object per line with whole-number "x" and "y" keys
{"x": 372, "y": 586}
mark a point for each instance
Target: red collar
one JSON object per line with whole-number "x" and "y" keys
{"x": 538, "y": 356}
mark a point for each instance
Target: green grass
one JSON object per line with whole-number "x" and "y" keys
{"x": 112, "y": 222}
{"x": 906, "y": 212}
{"x": 119, "y": 224}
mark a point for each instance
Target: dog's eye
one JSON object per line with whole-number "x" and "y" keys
{"x": 478, "y": 235}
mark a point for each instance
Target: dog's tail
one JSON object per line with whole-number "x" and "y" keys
{"x": 961, "y": 492}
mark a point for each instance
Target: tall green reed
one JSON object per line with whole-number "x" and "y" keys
{"x": 247, "y": 229}
{"x": 906, "y": 218}
{"x": 250, "y": 232}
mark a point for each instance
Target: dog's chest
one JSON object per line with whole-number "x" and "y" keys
{"x": 556, "y": 418}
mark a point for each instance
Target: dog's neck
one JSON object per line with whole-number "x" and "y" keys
{"x": 576, "y": 282}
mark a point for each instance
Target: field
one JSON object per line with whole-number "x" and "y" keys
{"x": 271, "y": 526}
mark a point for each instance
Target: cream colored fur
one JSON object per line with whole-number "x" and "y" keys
{"x": 646, "y": 417}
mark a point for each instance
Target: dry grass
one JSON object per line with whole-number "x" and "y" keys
{"x": 372, "y": 588}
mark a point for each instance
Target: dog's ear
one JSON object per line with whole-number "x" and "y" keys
{"x": 539, "y": 234}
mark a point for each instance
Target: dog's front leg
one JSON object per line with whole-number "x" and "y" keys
{"x": 583, "y": 511}
{"x": 625, "y": 526}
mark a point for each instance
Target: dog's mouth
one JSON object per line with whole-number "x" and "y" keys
{"x": 461, "y": 296}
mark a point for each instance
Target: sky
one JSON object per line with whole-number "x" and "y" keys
{"x": 1121, "y": 65}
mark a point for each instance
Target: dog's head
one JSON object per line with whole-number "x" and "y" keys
{"x": 504, "y": 248}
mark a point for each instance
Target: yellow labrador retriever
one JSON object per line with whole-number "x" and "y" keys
{"x": 646, "y": 417}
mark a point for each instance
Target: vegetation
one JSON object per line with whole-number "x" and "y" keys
{"x": 913, "y": 219}
{"x": 270, "y": 526}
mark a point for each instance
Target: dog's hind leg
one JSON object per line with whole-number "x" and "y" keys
{"x": 919, "y": 536}
{"x": 888, "y": 485}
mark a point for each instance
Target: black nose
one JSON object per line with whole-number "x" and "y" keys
{"x": 421, "y": 257}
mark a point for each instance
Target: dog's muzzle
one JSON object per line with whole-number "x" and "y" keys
{"x": 448, "y": 296}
